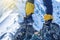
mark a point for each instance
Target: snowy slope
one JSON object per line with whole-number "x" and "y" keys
{"x": 9, "y": 20}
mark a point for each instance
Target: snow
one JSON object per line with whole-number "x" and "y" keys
{"x": 6, "y": 14}
{"x": 58, "y": 0}
{"x": 9, "y": 25}
{"x": 40, "y": 11}
{"x": 9, "y": 21}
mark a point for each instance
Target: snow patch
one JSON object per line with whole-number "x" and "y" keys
{"x": 58, "y": 0}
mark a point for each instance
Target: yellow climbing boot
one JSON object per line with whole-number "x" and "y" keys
{"x": 29, "y": 8}
{"x": 47, "y": 17}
